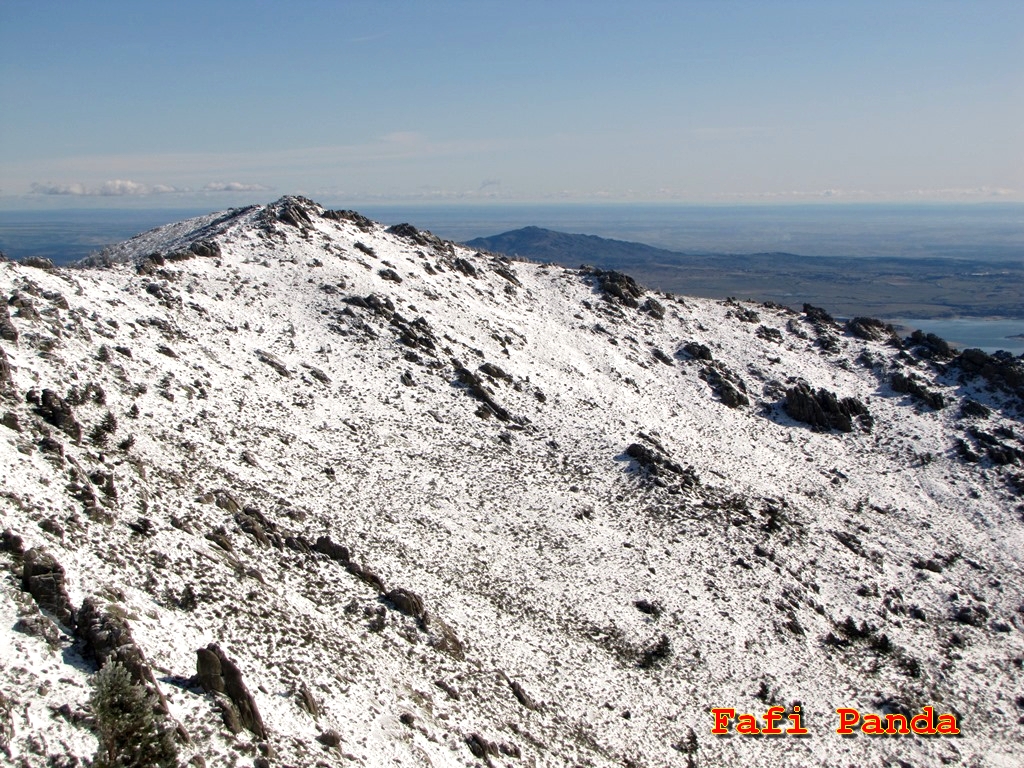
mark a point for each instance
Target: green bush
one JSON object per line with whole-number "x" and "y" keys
{"x": 131, "y": 733}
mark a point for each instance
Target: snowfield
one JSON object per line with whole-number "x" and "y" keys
{"x": 443, "y": 508}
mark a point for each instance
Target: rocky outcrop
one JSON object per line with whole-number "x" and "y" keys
{"x": 6, "y": 382}
{"x": 274, "y": 362}
{"x": 56, "y": 410}
{"x": 221, "y": 678}
{"x": 823, "y": 410}
{"x": 908, "y": 384}
{"x": 872, "y": 329}
{"x": 7, "y": 330}
{"x": 43, "y": 578}
{"x": 727, "y": 385}
{"x": 107, "y": 638}
{"x": 930, "y": 346}
{"x": 1000, "y": 370}
{"x": 618, "y": 287}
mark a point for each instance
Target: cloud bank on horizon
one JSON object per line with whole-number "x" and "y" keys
{"x": 459, "y": 100}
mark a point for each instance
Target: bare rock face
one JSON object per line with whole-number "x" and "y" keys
{"x": 220, "y": 677}
{"x": 43, "y": 577}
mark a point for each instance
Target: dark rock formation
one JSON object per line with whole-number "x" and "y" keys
{"x": 274, "y": 362}
{"x": 696, "y": 351}
{"x": 424, "y": 238}
{"x": 823, "y": 410}
{"x": 871, "y": 329}
{"x": 363, "y": 223}
{"x": 817, "y": 315}
{"x": 220, "y": 677}
{"x": 1001, "y": 369}
{"x": 930, "y": 346}
{"x": 660, "y": 466}
{"x": 908, "y": 384}
{"x": 295, "y": 211}
{"x": 43, "y": 577}
{"x": 107, "y": 638}
{"x": 465, "y": 267}
{"x": 477, "y": 389}
{"x": 336, "y": 552}
{"x": 619, "y": 287}
{"x": 407, "y": 602}
{"x": 726, "y": 384}
{"x": 54, "y": 409}
{"x": 7, "y": 330}
{"x": 654, "y": 308}
{"x": 37, "y": 262}
{"x": 365, "y": 575}
{"x": 6, "y": 382}
{"x": 206, "y": 248}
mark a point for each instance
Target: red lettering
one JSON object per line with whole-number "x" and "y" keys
{"x": 747, "y": 725}
{"x": 722, "y": 718}
{"x": 872, "y": 725}
{"x": 847, "y": 719}
{"x": 922, "y": 724}
{"x": 947, "y": 725}
{"x": 891, "y": 723}
{"x": 771, "y": 717}
{"x": 797, "y": 728}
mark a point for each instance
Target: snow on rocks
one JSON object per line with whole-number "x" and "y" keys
{"x": 420, "y": 516}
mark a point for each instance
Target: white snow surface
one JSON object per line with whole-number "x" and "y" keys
{"x": 531, "y": 538}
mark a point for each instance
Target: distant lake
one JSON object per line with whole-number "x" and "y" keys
{"x": 989, "y": 334}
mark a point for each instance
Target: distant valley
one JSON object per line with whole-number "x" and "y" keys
{"x": 887, "y": 286}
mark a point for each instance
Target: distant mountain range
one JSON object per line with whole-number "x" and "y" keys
{"x": 886, "y": 287}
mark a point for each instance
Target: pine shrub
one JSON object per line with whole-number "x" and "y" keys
{"x": 131, "y": 733}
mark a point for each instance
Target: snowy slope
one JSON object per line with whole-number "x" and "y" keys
{"x": 463, "y": 425}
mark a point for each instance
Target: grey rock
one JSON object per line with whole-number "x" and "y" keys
{"x": 217, "y": 674}
{"x": 43, "y": 578}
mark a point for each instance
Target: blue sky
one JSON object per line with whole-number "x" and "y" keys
{"x": 174, "y": 104}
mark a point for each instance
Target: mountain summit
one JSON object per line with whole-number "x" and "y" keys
{"x": 338, "y": 493}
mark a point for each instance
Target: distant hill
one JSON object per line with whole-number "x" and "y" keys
{"x": 887, "y": 287}
{"x": 540, "y": 244}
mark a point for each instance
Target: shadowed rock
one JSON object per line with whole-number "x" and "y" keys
{"x": 43, "y": 578}
{"x": 823, "y": 410}
{"x": 7, "y": 330}
{"x": 54, "y": 409}
{"x": 107, "y": 638}
{"x": 217, "y": 674}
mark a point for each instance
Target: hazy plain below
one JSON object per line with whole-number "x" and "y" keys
{"x": 981, "y": 246}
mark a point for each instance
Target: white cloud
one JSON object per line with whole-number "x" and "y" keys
{"x": 112, "y": 188}
{"x": 234, "y": 186}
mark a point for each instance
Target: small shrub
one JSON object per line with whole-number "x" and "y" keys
{"x": 130, "y": 733}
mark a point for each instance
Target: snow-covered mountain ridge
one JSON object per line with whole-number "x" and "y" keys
{"x": 441, "y": 508}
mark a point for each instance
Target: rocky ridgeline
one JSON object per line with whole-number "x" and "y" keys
{"x": 333, "y": 492}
